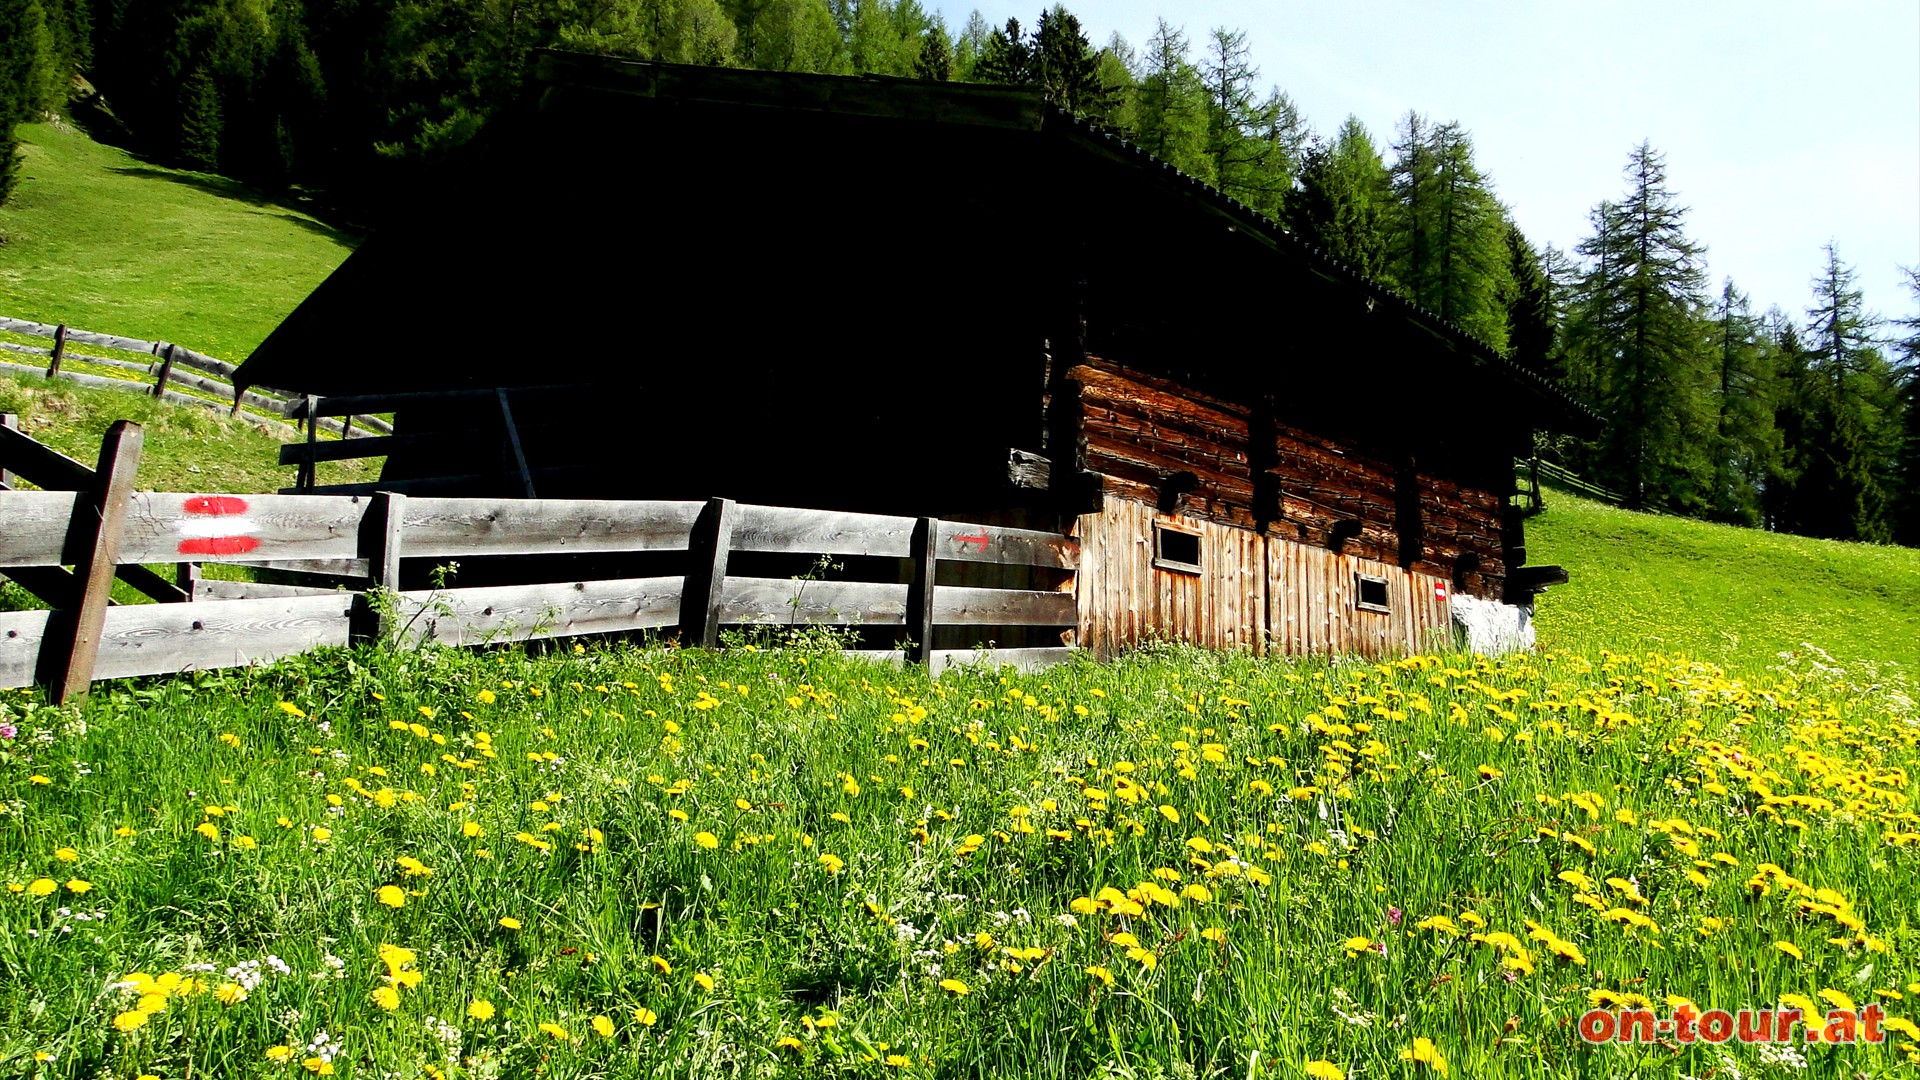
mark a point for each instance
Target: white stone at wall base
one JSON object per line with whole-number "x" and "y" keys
{"x": 1491, "y": 628}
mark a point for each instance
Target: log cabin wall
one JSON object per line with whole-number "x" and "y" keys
{"x": 1256, "y": 592}
{"x": 1169, "y": 446}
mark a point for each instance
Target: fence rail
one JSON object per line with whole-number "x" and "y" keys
{"x": 108, "y": 528}
{"x": 1536, "y": 470}
{"x": 173, "y": 365}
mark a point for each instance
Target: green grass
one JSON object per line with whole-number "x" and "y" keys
{"x": 101, "y": 240}
{"x": 764, "y": 863}
{"x": 1719, "y": 593}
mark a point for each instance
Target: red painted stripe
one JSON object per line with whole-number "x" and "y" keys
{"x": 215, "y": 504}
{"x": 218, "y": 545}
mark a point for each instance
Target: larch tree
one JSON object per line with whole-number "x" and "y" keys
{"x": 1170, "y": 104}
{"x": 1639, "y": 323}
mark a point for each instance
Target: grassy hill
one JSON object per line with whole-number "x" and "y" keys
{"x": 99, "y": 239}
{"x": 1739, "y": 597}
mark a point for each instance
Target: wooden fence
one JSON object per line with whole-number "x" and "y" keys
{"x": 173, "y": 366}
{"x": 1536, "y": 470}
{"x": 109, "y": 527}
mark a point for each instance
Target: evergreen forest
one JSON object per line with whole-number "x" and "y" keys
{"x": 1804, "y": 421}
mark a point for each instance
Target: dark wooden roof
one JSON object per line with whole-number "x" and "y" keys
{"x": 629, "y": 216}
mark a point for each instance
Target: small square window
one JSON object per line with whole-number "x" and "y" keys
{"x": 1370, "y": 593}
{"x": 1176, "y": 547}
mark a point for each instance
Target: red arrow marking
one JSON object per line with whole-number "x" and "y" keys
{"x": 983, "y": 539}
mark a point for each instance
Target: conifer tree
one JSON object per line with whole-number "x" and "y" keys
{"x": 1005, "y": 57}
{"x": 1342, "y": 200}
{"x": 1747, "y": 444}
{"x": 1241, "y": 155}
{"x": 1639, "y": 324}
{"x": 1854, "y": 445}
{"x": 1065, "y": 64}
{"x": 1170, "y": 110}
{"x": 1448, "y": 246}
{"x": 1907, "y": 471}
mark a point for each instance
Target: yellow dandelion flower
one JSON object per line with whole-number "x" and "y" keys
{"x": 954, "y": 987}
{"x": 45, "y": 886}
{"x": 603, "y": 1026}
{"x": 1098, "y": 972}
{"x": 510, "y": 922}
{"x": 280, "y": 1055}
{"x": 704, "y": 980}
{"x": 1790, "y": 949}
{"x": 391, "y": 895}
{"x": 706, "y": 840}
{"x": 480, "y": 1009}
{"x": 131, "y": 1020}
{"x": 1424, "y": 1052}
{"x": 555, "y": 1030}
{"x": 1325, "y": 1070}
{"x": 645, "y": 1017}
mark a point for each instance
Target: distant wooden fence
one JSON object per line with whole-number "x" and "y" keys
{"x": 1536, "y": 470}
{"x": 173, "y": 365}
{"x": 104, "y": 530}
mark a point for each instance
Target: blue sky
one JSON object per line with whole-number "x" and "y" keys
{"x": 1784, "y": 124}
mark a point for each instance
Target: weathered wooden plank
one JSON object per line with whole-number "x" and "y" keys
{"x": 337, "y": 568}
{"x": 85, "y": 337}
{"x": 154, "y": 639}
{"x": 452, "y": 527}
{"x": 956, "y": 604}
{"x": 789, "y": 601}
{"x": 21, "y": 633}
{"x": 168, "y": 527}
{"x": 961, "y": 542}
{"x": 36, "y": 527}
{"x": 74, "y": 639}
{"x": 208, "y": 589}
{"x": 105, "y": 383}
{"x": 824, "y": 532}
{"x": 1024, "y": 660}
{"x": 166, "y": 369}
{"x": 39, "y": 464}
{"x": 523, "y": 612}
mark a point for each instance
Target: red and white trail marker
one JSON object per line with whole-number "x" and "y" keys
{"x": 217, "y": 525}
{"x": 1440, "y": 590}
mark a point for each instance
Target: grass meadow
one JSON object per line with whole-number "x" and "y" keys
{"x": 98, "y": 239}
{"x": 620, "y": 861}
{"x": 613, "y": 860}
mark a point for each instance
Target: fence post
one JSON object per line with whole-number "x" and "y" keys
{"x": 386, "y": 515}
{"x": 166, "y": 370}
{"x": 11, "y": 423}
{"x": 59, "y": 349}
{"x": 926, "y": 533}
{"x": 707, "y": 549}
{"x": 68, "y": 653}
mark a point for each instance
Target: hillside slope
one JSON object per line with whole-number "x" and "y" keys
{"x": 98, "y": 239}
{"x": 1733, "y": 596}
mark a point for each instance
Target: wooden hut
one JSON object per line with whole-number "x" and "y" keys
{"x": 654, "y": 281}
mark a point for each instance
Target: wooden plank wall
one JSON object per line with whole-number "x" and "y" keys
{"x": 1139, "y": 430}
{"x": 1262, "y": 593}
